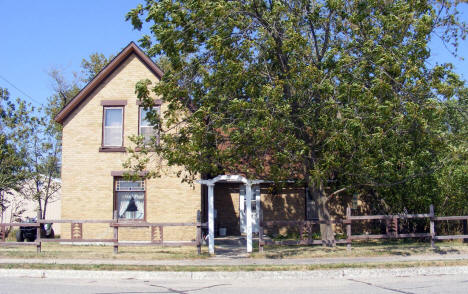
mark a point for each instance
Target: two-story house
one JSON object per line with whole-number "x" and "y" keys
{"x": 96, "y": 126}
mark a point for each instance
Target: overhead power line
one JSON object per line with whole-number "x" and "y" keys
{"x": 21, "y": 91}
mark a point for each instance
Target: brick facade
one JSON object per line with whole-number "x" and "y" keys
{"x": 87, "y": 183}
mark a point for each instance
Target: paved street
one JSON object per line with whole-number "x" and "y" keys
{"x": 407, "y": 285}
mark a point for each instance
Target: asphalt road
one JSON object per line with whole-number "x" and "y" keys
{"x": 406, "y": 285}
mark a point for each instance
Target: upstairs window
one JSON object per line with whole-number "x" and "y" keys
{"x": 113, "y": 127}
{"x": 145, "y": 128}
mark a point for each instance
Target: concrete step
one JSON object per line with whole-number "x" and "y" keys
{"x": 230, "y": 241}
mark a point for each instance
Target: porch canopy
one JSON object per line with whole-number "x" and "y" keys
{"x": 248, "y": 195}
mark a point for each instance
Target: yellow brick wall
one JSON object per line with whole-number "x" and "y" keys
{"x": 87, "y": 184}
{"x": 287, "y": 204}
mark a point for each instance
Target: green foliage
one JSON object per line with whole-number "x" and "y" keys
{"x": 336, "y": 94}
{"x": 12, "y": 119}
{"x": 90, "y": 68}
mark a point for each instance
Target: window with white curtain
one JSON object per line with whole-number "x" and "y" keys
{"x": 113, "y": 127}
{"x": 130, "y": 199}
{"x": 146, "y": 129}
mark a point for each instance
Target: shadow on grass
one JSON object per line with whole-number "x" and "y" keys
{"x": 364, "y": 249}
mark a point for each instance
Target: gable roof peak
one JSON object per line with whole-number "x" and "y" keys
{"x": 130, "y": 49}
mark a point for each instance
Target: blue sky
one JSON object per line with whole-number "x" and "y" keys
{"x": 39, "y": 35}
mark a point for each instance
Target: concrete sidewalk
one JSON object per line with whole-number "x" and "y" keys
{"x": 239, "y": 261}
{"x": 238, "y": 275}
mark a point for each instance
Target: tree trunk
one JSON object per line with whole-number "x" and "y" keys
{"x": 326, "y": 230}
{"x": 44, "y": 209}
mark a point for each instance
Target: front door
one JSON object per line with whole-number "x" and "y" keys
{"x": 255, "y": 208}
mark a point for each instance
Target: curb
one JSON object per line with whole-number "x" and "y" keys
{"x": 260, "y": 275}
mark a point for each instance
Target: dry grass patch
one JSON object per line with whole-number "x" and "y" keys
{"x": 59, "y": 251}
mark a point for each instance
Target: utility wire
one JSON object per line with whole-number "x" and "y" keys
{"x": 21, "y": 91}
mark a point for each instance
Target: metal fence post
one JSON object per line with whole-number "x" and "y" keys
{"x": 432, "y": 226}
{"x": 199, "y": 233}
{"x": 348, "y": 228}
{"x": 38, "y": 233}
{"x": 116, "y": 233}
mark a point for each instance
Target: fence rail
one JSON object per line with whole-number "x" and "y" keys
{"x": 391, "y": 224}
{"x": 76, "y": 232}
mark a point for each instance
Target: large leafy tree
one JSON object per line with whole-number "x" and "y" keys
{"x": 335, "y": 94}
{"x": 452, "y": 177}
{"x": 14, "y": 117}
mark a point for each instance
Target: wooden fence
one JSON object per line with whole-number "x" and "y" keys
{"x": 76, "y": 233}
{"x": 305, "y": 229}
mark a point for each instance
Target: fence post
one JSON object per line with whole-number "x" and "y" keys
{"x": 3, "y": 232}
{"x": 116, "y": 234}
{"x": 38, "y": 233}
{"x": 387, "y": 226}
{"x": 465, "y": 230}
{"x": 348, "y": 228}
{"x": 199, "y": 233}
{"x": 394, "y": 227}
{"x": 432, "y": 226}
{"x": 260, "y": 232}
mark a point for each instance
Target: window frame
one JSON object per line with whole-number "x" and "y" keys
{"x": 111, "y": 147}
{"x": 114, "y": 208}
{"x": 140, "y": 108}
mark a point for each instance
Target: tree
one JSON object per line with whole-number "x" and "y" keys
{"x": 452, "y": 178}
{"x": 11, "y": 157}
{"x": 334, "y": 94}
{"x": 13, "y": 118}
{"x": 90, "y": 68}
{"x": 43, "y": 164}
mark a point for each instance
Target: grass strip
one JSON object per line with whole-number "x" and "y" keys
{"x": 231, "y": 268}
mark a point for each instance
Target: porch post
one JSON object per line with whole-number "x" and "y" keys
{"x": 248, "y": 194}
{"x": 210, "y": 218}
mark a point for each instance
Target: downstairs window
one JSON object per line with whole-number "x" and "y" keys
{"x": 129, "y": 199}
